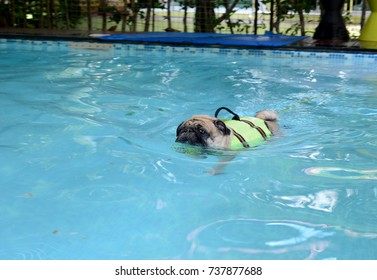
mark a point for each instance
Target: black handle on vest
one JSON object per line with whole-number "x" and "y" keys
{"x": 235, "y": 116}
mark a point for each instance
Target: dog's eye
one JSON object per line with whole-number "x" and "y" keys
{"x": 202, "y": 131}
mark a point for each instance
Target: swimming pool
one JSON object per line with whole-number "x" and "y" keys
{"x": 89, "y": 168}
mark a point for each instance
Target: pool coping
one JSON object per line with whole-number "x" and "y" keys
{"x": 305, "y": 45}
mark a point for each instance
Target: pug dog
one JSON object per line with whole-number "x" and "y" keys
{"x": 235, "y": 134}
{"x": 207, "y": 131}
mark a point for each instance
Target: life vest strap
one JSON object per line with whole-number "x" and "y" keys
{"x": 260, "y": 130}
{"x": 241, "y": 139}
{"x": 235, "y": 116}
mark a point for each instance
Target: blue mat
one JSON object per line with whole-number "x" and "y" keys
{"x": 268, "y": 39}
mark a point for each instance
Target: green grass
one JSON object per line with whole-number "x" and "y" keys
{"x": 246, "y": 25}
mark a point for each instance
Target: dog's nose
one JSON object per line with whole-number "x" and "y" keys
{"x": 182, "y": 139}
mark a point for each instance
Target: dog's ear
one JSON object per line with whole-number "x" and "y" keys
{"x": 222, "y": 127}
{"x": 179, "y": 128}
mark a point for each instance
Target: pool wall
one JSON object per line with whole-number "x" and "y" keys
{"x": 350, "y": 58}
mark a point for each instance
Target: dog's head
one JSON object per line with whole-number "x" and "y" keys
{"x": 204, "y": 131}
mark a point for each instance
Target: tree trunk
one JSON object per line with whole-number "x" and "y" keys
{"x": 51, "y": 14}
{"x": 302, "y": 21}
{"x": 153, "y": 18}
{"x": 41, "y": 14}
{"x": 226, "y": 3}
{"x": 148, "y": 15}
{"x": 67, "y": 14}
{"x": 278, "y": 17}
{"x": 363, "y": 13}
{"x": 185, "y": 16}
{"x": 103, "y": 6}
{"x": 272, "y": 12}
{"x": 332, "y": 25}
{"x": 228, "y": 11}
{"x": 256, "y": 8}
{"x": 135, "y": 11}
{"x": 125, "y": 14}
{"x": 89, "y": 14}
{"x": 13, "y": 13}
{"x": 205, "y": 17}
{"x": 169, "y": 15}
{"x": 22, "y": 22}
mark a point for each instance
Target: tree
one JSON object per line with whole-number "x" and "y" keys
{"x": 332, "y": 25}
{"x": 89, "y": 14}
{"x": 149, "y": 6}
{"x": 286, "y": 9}
{"x": 5, "y": 14}
{"x": 205, "y": 17}
{"x": 185, "y": 5}
{"x": 301, "y": 6}
{"x": 70, "y": 12}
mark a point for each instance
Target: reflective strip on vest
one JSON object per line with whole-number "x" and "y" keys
{"x": 253, "y": 136}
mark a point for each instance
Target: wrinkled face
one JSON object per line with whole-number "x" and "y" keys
{"x": 203, "y": 131}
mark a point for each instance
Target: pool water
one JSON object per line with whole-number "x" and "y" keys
{"x": 89, "y": 168}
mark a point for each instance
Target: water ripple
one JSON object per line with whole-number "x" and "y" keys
{"x": 258, "y": 238}
{"x": 325, "y": 200}
{"x": 342, "y": 173}
{"x": 108, "y": 194}
{"x": 19, "y": 253}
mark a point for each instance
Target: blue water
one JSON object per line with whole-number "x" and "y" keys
{"x": 89, "y": 168}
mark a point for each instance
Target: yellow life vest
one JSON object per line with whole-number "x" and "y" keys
{"x": 248, "y": 132}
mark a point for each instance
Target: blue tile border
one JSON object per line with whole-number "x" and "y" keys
{"x": 120, "y": 49}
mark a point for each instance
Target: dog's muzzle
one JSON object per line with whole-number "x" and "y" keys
{"x": 190, "y": 136}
